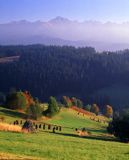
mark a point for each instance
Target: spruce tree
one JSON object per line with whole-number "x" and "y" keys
{"x": 34, "y": 111}
{"x": 52, "y": 107}
{"x": 79, "y": 103}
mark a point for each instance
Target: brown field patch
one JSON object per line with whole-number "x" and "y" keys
{"x": 11, "y": 156}
{"x": 10, "y": 127}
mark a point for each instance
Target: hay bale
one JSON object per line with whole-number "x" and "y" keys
{"x": 53, "y": 129}
{"x": 17, "y": 122}
{"x": 40, "y": 125}
{"x": 21, "y": 122}
{"x": 82, "y": 132}
{"x": 27, "y": 126}
{"x": 36, "y": 126}
{"x": 49, "y": 127}
{"x": 60, "y": 128}
{"x": 44, "y": 126}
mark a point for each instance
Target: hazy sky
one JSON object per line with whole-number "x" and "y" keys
{"x": 101, "y": 10}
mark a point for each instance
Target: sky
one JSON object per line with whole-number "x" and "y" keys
{"x": 44, "y": 10}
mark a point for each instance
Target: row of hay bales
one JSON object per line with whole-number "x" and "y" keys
{"x": 90, "y": 115}
{"x": 30, "y": 126}
{"x": 97, "y": 119}
{"x": 84, "y": 112}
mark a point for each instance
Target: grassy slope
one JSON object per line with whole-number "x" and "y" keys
{"x": 70, "y": 118}
{"x": 10, "y": 115}
{"x": 62, "y": 146}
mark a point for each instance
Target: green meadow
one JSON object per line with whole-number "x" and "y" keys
{"x": 64, "y": 145}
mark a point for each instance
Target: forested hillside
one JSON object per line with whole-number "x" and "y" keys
{"x": 55, "y": 71}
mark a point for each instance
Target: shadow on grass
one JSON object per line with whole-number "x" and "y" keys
{"x": 14, "y": 114}
{"x": 103, "y": 130}
{"x": 91, "y": 137}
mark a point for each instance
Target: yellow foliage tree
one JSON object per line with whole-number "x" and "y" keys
{"x": 95, "y": 109}
{"x": 108, "y": 111}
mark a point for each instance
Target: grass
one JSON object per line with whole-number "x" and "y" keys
{"x": 65, "y": 145}
{"x": 52, "y": 146}
{"x": 70, "y": 118}
{"x": 10, "y": 116}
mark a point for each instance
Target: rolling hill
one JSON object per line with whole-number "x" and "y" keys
{"x": 62, "y": 145}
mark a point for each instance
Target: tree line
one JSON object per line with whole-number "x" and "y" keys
{"x": 23, "y": 101}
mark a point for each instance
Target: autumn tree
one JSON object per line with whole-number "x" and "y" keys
{"x": 108, "y": 111}
{"x": 66, "y": 101}
{"x": 29, "y": 98}
{"x": 95, "y": 109}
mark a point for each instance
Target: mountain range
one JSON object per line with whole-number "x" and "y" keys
{"x": 62, "y": 31}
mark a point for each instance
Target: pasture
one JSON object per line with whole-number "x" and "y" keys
{"x": 64, "y": 145}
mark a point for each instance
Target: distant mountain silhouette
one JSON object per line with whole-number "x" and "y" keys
{"x": 62, "y": 31}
